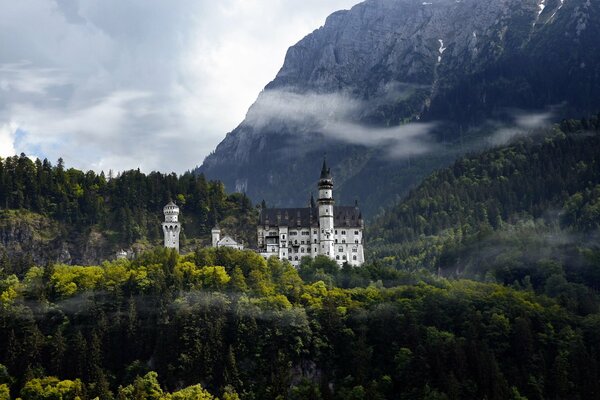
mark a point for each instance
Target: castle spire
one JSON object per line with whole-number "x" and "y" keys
{"x": 325, "y": 172}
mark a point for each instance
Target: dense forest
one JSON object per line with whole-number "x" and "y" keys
{"x": 526, "y": 214}
{"x": 227, "y": 323}
{"x": 124, "y": 209}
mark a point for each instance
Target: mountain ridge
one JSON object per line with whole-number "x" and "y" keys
{"x": 396, "y": 89}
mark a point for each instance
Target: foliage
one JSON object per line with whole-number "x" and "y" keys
{"x": 267, "y": 333}
{"x": 127, "y": 208}
{"x": 526, "y": 214}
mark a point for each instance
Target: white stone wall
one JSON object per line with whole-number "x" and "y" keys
{"x": 346, "y": 244}
{"x": 171, "y": 232}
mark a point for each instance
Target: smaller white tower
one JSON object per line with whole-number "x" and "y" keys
{"x": 216, "y": 236}
{"x": 171, "y": 226}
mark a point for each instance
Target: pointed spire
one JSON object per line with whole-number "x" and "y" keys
{"x": 325, "y": 172}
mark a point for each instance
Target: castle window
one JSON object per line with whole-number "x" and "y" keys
{"x": 354, "y": 258}
{"x": 283, "y": 236}
{"x": 343, "y": 232}
{"x": 337, "y": 257}
{"x": 344, "y": 256}
{"x": 290, "y": 258}
{"x": 356, "y": 241}
{"x": 340, "y": 249}
{"x": 343, "y": 240}
{"x": 335, "y": 240}
{"x": 336, "y": 231}
{"x": 302, "y": 250}
{"x": 315, "y": 240}
{"x": 295, "y": 242}
{"x": 356, "y": 232}
{"x": 315, "y": 232}
{"x": 354, "y": 250}
{"x": 296, "y": 258}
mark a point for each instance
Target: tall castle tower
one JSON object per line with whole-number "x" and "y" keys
{"x": 325, "y": 203}
{"x": 171, "y": 226}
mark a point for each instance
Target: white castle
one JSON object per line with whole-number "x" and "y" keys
{"x": 320, "y": 229}
{"x": 171, "y": 226}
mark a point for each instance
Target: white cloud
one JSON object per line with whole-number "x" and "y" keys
{"x": 524, "y": 123}
{"x": 126, "y": 84}
{"x": 336, "y": 116}
{"x": 7, "y": 139}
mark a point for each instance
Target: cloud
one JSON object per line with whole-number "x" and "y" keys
{"x": 7, "y": 139}
{"x": 336, "y": 116}
{"x": 524, "y": 123}
{"x": 126, "y": 84}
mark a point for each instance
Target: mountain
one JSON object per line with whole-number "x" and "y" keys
{"x": 392, "y": 89}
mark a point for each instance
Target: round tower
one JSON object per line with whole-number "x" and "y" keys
{"x": 216, "y": 236}
{"x": 171, "y": 226}
{"x": 325, "y": 204}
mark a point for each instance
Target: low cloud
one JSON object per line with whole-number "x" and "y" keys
{"x": 523, "y": 124}
{"x": 336, "y": 116}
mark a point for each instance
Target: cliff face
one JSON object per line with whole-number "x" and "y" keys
{"x": 29, "y": 237}
{"x": 394, "y": 88}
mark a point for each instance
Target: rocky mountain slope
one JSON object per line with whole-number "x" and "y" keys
{"x": 392, "y": 89}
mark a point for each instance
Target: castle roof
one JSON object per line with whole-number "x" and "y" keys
{"x": 344, "y": 216}
{"x": 325, "y": 172}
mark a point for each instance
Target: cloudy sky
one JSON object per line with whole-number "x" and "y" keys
{"x": 119, "y": 84}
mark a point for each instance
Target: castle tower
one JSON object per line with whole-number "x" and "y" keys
{"x": 171, "y": 226}
{"x": 216, "y": 236}
{"x": 325, "y": 204}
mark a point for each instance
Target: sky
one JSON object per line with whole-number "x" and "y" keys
{"x": 149, "y": 84}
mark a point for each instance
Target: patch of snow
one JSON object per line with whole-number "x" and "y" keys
{"x": 441, "y": 49}
{"x": 562, "y": 3}
{"x": 541, "y": 7}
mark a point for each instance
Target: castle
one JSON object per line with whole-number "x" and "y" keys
{"x": 320, "y": 229}
{"x": 292, "y": 233}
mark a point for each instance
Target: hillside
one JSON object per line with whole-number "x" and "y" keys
{"x": 49, "y": 213}
{"x": 517, "y": 214}
{"x": 230, "y": 324}
{"x": 393, "y": 89}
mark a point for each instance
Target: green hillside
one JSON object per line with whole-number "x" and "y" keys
{"x": 230, "y": 323}
{"x": 84, "y": 217}
{"x": 525, "y": 214}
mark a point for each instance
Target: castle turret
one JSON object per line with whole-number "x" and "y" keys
{"x": 171, "y": 226}
{"x": 325, "y": 204}
{"x": 216, "y": 236}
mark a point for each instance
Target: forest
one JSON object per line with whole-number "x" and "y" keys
{"x": 526, "y": 214}
{"x": 125, "y": 208}
{"x": 229, "y": 324}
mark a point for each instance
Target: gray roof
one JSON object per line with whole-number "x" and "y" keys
{"x": 344, "y": 216}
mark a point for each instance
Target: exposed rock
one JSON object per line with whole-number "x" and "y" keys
{"x": 386, "y": 63}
